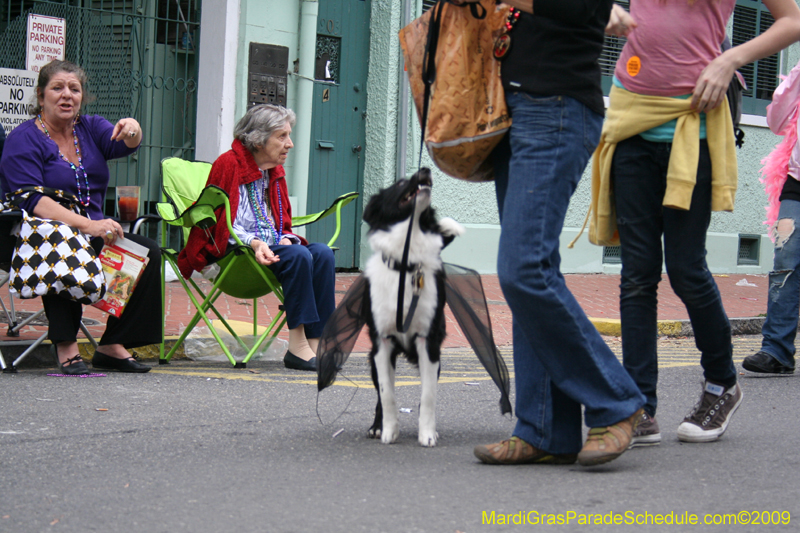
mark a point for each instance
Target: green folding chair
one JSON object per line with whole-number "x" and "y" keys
{"x": 186, "y": 203}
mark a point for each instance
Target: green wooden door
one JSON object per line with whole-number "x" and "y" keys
{"x": 338, "y": 122}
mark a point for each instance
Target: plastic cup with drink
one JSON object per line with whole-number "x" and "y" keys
{"x": 128, "y": 202}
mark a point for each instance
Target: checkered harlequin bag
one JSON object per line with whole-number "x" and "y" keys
{"x": 52, "y": 257}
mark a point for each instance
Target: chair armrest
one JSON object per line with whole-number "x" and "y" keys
{"x": 337, "y": 204}
{"x": 142, "y": 220}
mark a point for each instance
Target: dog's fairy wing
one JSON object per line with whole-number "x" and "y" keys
{"x": 341, "y": 332}
{"x": 465, "y": 296}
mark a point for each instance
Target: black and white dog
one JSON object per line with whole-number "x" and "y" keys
{"x": 373, "y": 300}
{"x": 388, "y": 214}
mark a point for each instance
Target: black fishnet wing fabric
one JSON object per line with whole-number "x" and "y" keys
{"x": 465, "y": 296}
{"x": 341, "y": 332}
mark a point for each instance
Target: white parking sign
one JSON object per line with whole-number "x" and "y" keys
{"x": 17, "y": 88}
{"x": 45, "y": 41}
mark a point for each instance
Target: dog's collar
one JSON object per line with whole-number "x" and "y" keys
{"x": 398, "y": 265}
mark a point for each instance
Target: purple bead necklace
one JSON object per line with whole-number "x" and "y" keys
{"x": 259, "y": 208}
{"x": 79, "y": 169}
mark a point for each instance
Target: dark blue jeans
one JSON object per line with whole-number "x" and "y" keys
{"x": 780, "y": 327}
{"x": 308, "y": 277}
{"x": 639, "y": 174}
{"x": 560, "y": 361}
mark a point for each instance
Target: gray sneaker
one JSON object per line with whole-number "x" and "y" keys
{"x": 646, "y": 433}
{"x": 710, "y": 417}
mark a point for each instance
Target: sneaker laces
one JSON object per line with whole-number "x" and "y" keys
{"x": 708, "y": 406}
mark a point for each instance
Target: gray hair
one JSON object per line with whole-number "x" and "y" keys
{"x": 259, "y": 123}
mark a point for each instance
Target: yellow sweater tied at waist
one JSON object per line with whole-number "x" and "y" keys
{"x": 630, "y": 114}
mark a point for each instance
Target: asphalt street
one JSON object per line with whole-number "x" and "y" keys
{"x": 201, "y": 447}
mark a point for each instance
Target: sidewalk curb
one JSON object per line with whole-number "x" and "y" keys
{"x": 680, "y": 328}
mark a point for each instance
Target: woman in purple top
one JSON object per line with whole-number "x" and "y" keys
{"x": 61, "y": 149}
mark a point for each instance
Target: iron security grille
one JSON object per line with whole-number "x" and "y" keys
{"x": 612, "y": 255}
{"x": 328, "y": 55}
{"x": 139, "y": 56}
{"x": 612, "y": 48}
{"x": 748, "y": 249}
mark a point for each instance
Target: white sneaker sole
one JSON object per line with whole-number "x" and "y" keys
{"x": 645, "y": 440}
{"x": 688, "y": 432}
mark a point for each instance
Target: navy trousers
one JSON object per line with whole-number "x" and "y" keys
{"x": 308, "y": 277}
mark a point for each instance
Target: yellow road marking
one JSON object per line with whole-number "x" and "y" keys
{"x": 461, "y": 366}
{"x": 354, "y": 381}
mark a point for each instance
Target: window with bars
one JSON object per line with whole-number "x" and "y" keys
{"x": 750, "y": 19}
{"x": 612, "y": 48}
{"x": 427, "y": 4}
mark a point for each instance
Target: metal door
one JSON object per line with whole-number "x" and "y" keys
{"x": 338, "y": 132}
{"x": 139, "y": 56}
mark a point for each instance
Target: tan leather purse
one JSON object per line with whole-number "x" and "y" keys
{"x": 456, "y": 85}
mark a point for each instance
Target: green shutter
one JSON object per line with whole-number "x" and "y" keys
{"x": 750, "y": 19}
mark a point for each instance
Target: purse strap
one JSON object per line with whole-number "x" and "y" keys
{"x": 428, "y": 77}
{"x": 14, "y": 199}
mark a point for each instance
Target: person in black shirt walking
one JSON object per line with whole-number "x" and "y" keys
{"x": 551, "y": 78}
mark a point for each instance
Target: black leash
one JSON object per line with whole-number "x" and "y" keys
{"x": 428, "y": 77}
{"x": 402, "y": 326}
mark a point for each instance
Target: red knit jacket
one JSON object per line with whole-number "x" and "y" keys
{"x": 232, "y": 169}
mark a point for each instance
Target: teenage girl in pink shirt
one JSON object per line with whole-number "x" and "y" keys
{"x": 673, "y": 51}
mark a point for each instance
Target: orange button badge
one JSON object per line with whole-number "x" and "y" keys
{"x": 634, "y": 66}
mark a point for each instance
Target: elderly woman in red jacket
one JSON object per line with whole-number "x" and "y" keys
{"x": 252, "y": 174}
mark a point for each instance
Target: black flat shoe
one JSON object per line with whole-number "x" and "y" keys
{"x": 105, "y": 362}
{"x": 290, "y": 360}
{"x": 764, "y": 363}
{"x": 74, "y": 366}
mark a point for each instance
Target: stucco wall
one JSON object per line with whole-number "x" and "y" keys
{"x": 270, "y": 22}
{"x": 382, "y": 90}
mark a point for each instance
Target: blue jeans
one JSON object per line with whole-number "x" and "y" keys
{"x": 308, "y": 277}
{"x": 780, "y": 327}
{"x": 639, "y": 174}
{"x": 560, "y": 361}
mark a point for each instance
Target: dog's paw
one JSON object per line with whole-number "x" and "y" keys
{"x": 450, "y": 228}
{"x": 428, "y": 438}
{"x": 374, "y": 433}
{"x": 389, "y": 434}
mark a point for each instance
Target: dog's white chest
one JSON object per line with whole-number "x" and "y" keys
{"x": 384, "y": 290}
